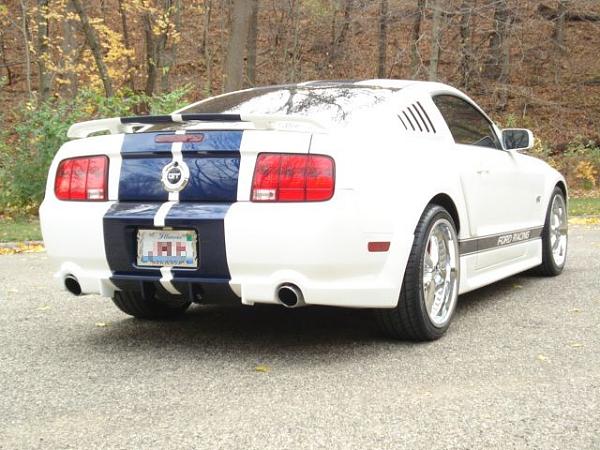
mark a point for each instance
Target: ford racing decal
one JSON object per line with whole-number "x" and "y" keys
{"x": 475, "y": 245}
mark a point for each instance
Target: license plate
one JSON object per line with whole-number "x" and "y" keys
{"x": 167, "y": 248}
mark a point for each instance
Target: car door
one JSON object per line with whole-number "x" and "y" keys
{"x": 496, "y": 184}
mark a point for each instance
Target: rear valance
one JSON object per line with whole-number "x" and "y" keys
{"x": 119, "y": 125}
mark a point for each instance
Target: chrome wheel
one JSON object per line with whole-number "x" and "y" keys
{"x": 440, "y": 272}
{"x": 558, "y": 230}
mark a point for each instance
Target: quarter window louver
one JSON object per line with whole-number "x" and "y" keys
{"x": 416, "y": 116}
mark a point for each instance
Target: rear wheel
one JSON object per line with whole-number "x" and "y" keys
{"x": 132, "y": 303}
{"x": 430, "y": 287}
{"x": 555, "y": 236}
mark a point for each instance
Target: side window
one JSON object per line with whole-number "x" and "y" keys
{"x": 467, "y": 125}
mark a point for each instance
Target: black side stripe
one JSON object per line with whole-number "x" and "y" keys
{"x": 476, "y": 245}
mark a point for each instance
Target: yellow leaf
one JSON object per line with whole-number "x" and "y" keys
{"x": 261, "y": 368}
{"x": 21, "y": 247}
{"x": 584, "y": 220}
{"x": 576, "y": 345}
{"x": 542, "y": 357}
{"x": 517, "y": 286}
{"x": 101, "y": 324}
{"x": 43, "y": 308}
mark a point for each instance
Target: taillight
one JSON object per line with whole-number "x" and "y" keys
{"x": 284, "y": 177}
{"x": 84, "y": 178}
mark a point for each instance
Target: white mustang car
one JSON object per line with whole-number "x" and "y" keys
{"x": 384, "y": 194}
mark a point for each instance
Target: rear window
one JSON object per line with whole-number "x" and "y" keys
{"x": 334, "y": 105}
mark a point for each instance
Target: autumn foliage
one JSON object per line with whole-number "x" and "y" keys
{"x": 530, "y": 63}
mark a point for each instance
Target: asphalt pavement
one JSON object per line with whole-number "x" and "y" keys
{"x": 519, "y": 368}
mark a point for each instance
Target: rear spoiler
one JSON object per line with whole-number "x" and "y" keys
{"x": 119, "y": 125}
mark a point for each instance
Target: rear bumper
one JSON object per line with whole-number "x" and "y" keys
{"x": 320, "y": 247}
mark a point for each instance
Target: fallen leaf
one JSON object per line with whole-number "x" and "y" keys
{"x": 576, "y": 345}
{"x": 34, "y": 248}
{"x": 575, "y": 310}
{"x": 101, "y": 324}
{"x": 542, "y": 357}
{"x": 262, "y": 369}
{"x": 517, "y": 286}
{"x": 584, "y": 220}
{"x": 21, "y": 247}
{"x": 43, "y": 308}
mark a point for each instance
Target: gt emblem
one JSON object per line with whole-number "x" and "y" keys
{"x": 175, "y": 176}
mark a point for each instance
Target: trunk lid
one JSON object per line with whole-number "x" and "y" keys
{"x": 211, "y": 156}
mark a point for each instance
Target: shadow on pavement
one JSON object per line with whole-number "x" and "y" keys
{"x": 253, "y": 329}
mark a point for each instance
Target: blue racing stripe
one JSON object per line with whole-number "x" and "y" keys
{"x": 212, "y": 179}
{"x": 122, "y": 221}
{"x": 214, "y": 167}
{"x": 211, "y": 189}
{"x": 140, "y": 180}
{"x": 217, "y": 140}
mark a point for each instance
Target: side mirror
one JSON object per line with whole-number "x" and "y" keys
{"x": 517, "y": 139}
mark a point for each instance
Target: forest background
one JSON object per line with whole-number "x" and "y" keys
{"x": 529, "y": 63}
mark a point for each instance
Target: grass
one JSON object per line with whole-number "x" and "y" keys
{"x": 28, "y": 228}
{"x": 20, "y": 229}
{"x": 584, "y": 206}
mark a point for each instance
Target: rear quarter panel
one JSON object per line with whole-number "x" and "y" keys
{"x": 393, "y": 175}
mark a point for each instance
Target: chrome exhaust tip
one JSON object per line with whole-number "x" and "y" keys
{"x": 290, "y": 295}
{"x": 72, "y": 285}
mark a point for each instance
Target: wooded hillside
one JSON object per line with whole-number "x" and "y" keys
{"x": 536, "y": 60}
{"x": 530, "y": 63}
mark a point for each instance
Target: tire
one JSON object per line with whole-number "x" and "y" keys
{"x": 554, "y": 236}
{"x": 412, "y": 319}
{"x": 132, "y": 303}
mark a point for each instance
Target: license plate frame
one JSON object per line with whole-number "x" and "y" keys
{"x": 148, "y": 241}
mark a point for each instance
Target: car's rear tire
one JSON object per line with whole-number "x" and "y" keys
{"x": 132, "y": 303}
{"x": 554, "y": 236}
{"x": 433, "y": 268}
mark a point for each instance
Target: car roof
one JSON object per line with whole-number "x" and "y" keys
{"x": 368, "y": 83}
{"x": 391, "y": 84}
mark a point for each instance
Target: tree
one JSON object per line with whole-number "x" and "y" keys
{"x": 382, "y": 40}
{"x": 338, "y": 39}
{"x": 69, "y": 52}
{"x": 558, "y": 37}
{"x": 251, "y": 43}
{"x": 497, "y": 66}
{"x": 5, "y": 64}
{"x": 205, "y": 47}
{"x": 126, "y": 42}
{"x": 467, "y": 62}
{"x": 415, "y": 56}
{"x": 234, "y": 60}
{"x": 295, "y": 52}
{"x": 24, "y": 30}
{"x": 170, "y": 57}
{"x": 94, "y": 43}
{"x": 42, "y": 48}
{"x": 157, "y": 27}
{"x": 436, "y": 37}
